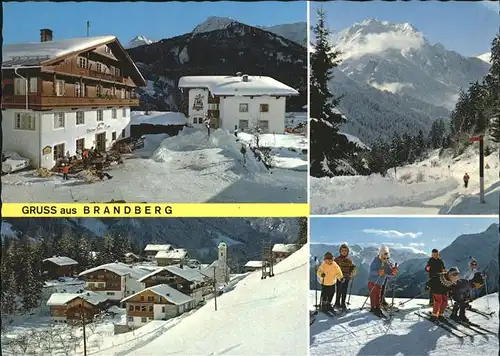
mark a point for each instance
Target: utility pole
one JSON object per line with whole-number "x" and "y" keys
{"x": 215, "y": 289}
{"x": 82, "y": 310}
{"x": 88, "y": 28}
{"x": 267, "y": 260}
{"x": 480, "y": 139}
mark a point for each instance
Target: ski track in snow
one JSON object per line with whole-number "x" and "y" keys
{"x": 427, "y": 190}
{"x": 184, "y": 168}
{"x": 361, "y": 333}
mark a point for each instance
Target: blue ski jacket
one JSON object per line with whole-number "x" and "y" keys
{"x": 376, "y": 266}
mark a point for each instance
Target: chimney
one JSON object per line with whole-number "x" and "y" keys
{"x": 238, "y": 74}
{"x": 245, "y": 78}
{"x": 45, "y": 35}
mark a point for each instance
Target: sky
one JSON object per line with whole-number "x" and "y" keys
{"x": 22, "y": 21}
{"x": 422, "y": 234}
{"x": 462, "y": 26}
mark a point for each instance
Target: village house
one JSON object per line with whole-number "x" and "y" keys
{"x": 219, "y": 270}
{"x": 61, "y": 96}
{"x": 151, "y": 250}
{"x": 240, "y": 102}
{"x": 182, "y": 278}
{"x": 251, "y": 266}
{"x": 130, "y": 257}
{"x": 282, "y": 251}
{"x": 159, "y": 302}
{"x": 172, "y": 257}
{"x": 59, "y": 266}
{"x": 74, "y": 307}
{"x": 115, "y": 280}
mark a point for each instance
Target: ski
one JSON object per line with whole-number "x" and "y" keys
{"x": 391, "y": 309}
{"x": 474, "y": 326}
{"x": 449, "y": 323}
{"x": 312, "y": 319}
{"x": 486, "y": 315}
{"x": 329, "y": 313}
{"x": 441, "y": 325}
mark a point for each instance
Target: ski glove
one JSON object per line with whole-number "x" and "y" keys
{"x": 395, "y": 271}
{"x": 381, "y": 272}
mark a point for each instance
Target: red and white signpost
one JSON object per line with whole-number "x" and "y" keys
{"x": 481, "y": 164}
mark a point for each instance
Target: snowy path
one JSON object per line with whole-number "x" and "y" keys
{"x": 426, "y": 188}
{"x": 184, "y": 168}
{"x": 361, "y": 333}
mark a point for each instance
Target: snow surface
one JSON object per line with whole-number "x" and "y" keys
{"x": 234, "y": 85}
{"x": 52, "y": 49}
{"x": 59, "y": 299}
{"x": 361, "y": 333}
{"x": 424, "y": 188}
{"x": 485, "y": 57}
{"x": 119, "y": 268}
{"x": 178, "y": 253}
{"x": 61, "y": 260}
{"x": 170, "y": 294}
{"x": 156, "y": 248}
{"x": 188, "y": 167}
{"x": 158, "y": 118}
{"x": 256, "y": 317}
{"x": 139, "y": 41}
{"x": 254, "y": 264}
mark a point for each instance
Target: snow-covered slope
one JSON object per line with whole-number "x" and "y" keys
{"x": 426, "y": 187}
{"x": 257, "y": 317}
{"x": 361, "y": 333}
{"x": 485, "y": 57}
{"x": 139, "y": 41}
{"x": 213, "y": 23}
{"x": 296, "y": 32}
{"x": 401, "y": 65}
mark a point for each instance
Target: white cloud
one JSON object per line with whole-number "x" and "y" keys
{"x": 393, "y": 234}
{"x": 391, "y": 87}
{"x": 380, "y": 42}
{"x": 417, "y": 244}
{"x": 404, "y": 247}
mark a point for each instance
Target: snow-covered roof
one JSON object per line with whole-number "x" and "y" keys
{"x": 158, "y": 118}
{"x": 61, "y": 261}
{"x": 44, "y": 51}
{"x": 156, "y": 248}
{"x": 218, "y": 264}
{"x": 178, "y": 253}
{"x": 254, "y": 264}
{"x": 234, "y": 85}
{"x": 285, "y": 248}
{"x": 189, "y": 274}
{"x": 169, "y": 293}
{"x": 131, "y": 254}
{"x": 59, "y": 299}
{"x": 120, "y": 269}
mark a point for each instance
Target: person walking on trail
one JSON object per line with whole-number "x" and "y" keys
{"x": 434, "y": 267}
{"x": 466, "y": 180}
{"x": 348, "y": 272}
{"x": 65, "y": 170}
{"x": 441, "y": 287}
{"x": 462, "y": 294}
{"x": 380, "y": 268}
{"x": 328, "y": 273}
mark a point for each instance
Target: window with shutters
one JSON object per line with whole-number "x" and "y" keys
{"x": 24, "y": 121}
{"x": 60, "y": 89}
{"x": 82, "y": 62}
{"x": 33, "y": 85}
{"x": 59, "y": 120}
{"x": 19, "y": 86}
{"x": 80, "y": 117}
{"x": 100, "y": 115}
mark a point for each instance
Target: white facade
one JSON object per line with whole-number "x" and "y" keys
{"x": 60, "y": 130}
{"x": 233, "y": 114}
{"x": 129, "y": 286}
{"x": 160, "y": 312}
{"x": 198, "y": 107}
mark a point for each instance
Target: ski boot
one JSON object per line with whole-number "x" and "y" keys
{"x": 464, "y": 320}
{"x": 454, "y": 317}
{"x": 343, "y": 307}
{"x": 337, "y": 306}
{"x": 442, "y": 319}
{"x": 377, "y": 312}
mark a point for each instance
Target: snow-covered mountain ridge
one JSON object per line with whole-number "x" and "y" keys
{"x": 410, "y": 76}
{"x": 139, "y": 41}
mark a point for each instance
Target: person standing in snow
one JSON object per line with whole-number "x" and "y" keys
{"x": 207, "y": 125}
{"x": 348, "y": 271}
{"x": 380, "y": 268}
{"x": 434, "y": 267}
{"x": 236, "y": 131}
{"x": 440, "y": 287}
{"x": 328, "y": 273}
{"x": 462, "y": 294}
{"x": 466, "y": 180}
{"x": 469, "y": 274}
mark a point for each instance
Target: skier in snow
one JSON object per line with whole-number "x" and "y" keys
{"x": 348, "y": 271}
{"x": 380, "y": 268}
{"x": 434, "y": 267}
{"x": 470, "y": 273}
{"x": 462, "y": 294}
{"x": 466, "y": 180}
{"x": 329, "y": 273}
{"x": 440, "y": 287}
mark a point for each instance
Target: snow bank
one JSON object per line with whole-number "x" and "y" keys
{"x": 158, "y": 118}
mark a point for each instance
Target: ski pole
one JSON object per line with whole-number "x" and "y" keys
{"x": 409, "y": 300}
{"x": 350, "y": 290}
{"x": 486, "y": 291}
{"x": 316, "y": 282}
{"x": 394, "y": 287}
{"x": 369, "y": 294}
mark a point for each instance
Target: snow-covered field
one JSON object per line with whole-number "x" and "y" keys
{"x": 361, "y": 333}
{"x": 424, "y": 188}
{"x": 253, "y": 317}
{"x": 188, "y": 167}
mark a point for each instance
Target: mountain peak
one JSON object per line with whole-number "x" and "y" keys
{"x": 139, "y": 41}
{"x": 214, "y": 23}
{"x": 485, "y": 57}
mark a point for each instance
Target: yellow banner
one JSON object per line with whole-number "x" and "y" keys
{"x": 173, "y": 210}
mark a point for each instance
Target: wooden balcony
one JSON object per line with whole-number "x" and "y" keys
{"x": 72, "y": 70}
{"x": 37, "y": 102}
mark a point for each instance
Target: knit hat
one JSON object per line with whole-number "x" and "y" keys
{"x": 328, "y": 256}
{"x": 434, "y": 250}
{"x": 453, "y": 270}
{"x": 383, "y": 250}
{"x": 473, "y": 262}
{"x": 344, "y": 246}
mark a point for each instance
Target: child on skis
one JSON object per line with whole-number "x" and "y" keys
{"x": 380, "y": 268}
{"x": 462, "y": 294}
{"x": 348, "y": 271}
{"x": 329, "y": 273}
{"x": 440, "y": 287}
{"x": 434, "y": 267}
